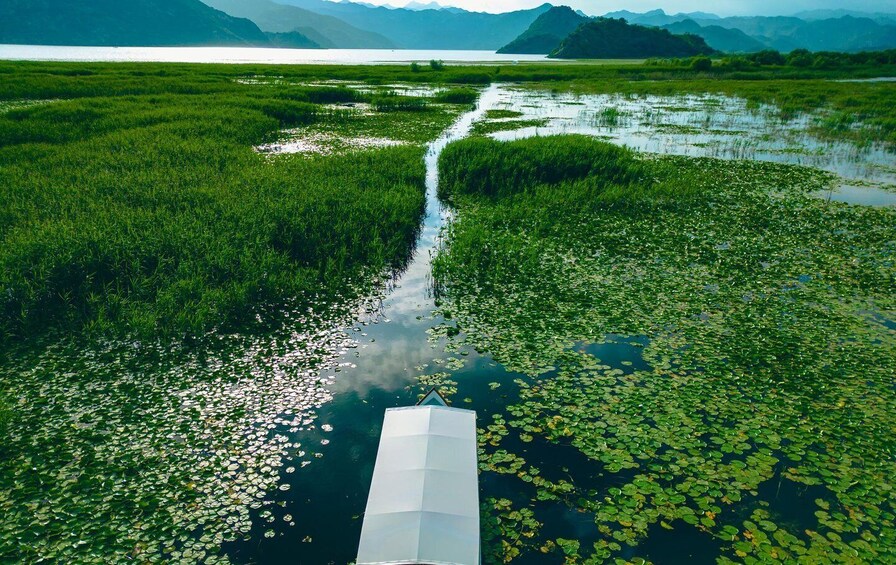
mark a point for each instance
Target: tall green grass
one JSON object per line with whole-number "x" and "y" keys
{"x": 393, "y": 103}
{"x": 458, "y": 96}
{"x": 794, "y": 89}
{"x": 486, "y": 167}
{"x": 152, "y": 213}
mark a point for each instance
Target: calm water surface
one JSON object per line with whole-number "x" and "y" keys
{"x": 702, "y": 125}
{"x": 259, "y": 55}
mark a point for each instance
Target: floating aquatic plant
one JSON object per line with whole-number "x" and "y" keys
{"x": 769, "y": 355}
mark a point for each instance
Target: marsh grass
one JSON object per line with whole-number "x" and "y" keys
{"x": 136, "y": 202}
{"x": 457, "y": 96}
{"x": 489, "y": 168}
{"x": 502, "y": 114}
{"x": 415, "y": 127}
{"x": 610, "y": 117}
{"x": 793, "y": 90}
{"x": 396, "y": 103}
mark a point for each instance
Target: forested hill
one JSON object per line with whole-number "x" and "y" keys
{"x": 117, "y": 22}
{"x": 547, "y": 32}
{"x": 608, "y": 38}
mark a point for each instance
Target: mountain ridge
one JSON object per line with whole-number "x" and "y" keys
{"x": 719, "y": 38}
{"x": 430, "y": 29}
{"x": 852, "y": 31}
{"x": 132, "y": 23}
{"x": 327, "y": 31}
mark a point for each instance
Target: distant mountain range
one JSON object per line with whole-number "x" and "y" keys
{"x": 431, "y": 6}
{"x": 609, "y": 38}
{"x": 117, "y": 22}
{"x": 419, "y": 25}
{"x": 879, "y": 17}
{"x": 818, "y": 30}
{"x": 326, "y": 31}
{"x": 719, "y": 38}
{"x": 429, "y": 29}
{"x": 785, "y": 34}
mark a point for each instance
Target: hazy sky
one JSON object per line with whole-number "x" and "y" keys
{"x": 720, "y": 7}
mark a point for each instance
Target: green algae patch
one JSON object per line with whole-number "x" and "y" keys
{"x": 750, "y": 410}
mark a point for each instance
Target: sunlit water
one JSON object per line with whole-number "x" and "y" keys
{"x": 289, "y": 423}
{"x": 259, "y": 55}
{"x": 697, "y": 126}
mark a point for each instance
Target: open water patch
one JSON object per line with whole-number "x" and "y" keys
{"x": 706, "y": 125}
{"x": 862, "y": 195}
{"x": 321, "y": 143}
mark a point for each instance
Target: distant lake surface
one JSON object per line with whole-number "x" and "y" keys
{"x": 250, "y": 55}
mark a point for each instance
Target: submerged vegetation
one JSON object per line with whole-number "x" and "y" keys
{"x": 856, "y": 111}
{"x": 760, "y": 352}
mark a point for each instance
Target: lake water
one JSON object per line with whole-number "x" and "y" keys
{"x": 254, "y": 55}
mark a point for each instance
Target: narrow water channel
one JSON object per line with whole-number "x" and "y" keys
{"x": 326, "y": 499}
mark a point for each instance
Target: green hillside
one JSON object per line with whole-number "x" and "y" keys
{"x": 547, "y": 32}
{"x": 324, "y": 30}
{"x": 113, "y": 22}
{"x": 607, "y": 38}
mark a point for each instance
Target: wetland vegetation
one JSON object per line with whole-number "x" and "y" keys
{"x": 151, "y": 211}
{"x": 762, "y": 320}
{"x": 214, "y": 278}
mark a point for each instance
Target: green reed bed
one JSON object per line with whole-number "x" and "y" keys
{"x": 858, "y": 111}
{"x": 758, "y": 364}
{"x": 133, "y": 200}
{"x": 156, "y": 213}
